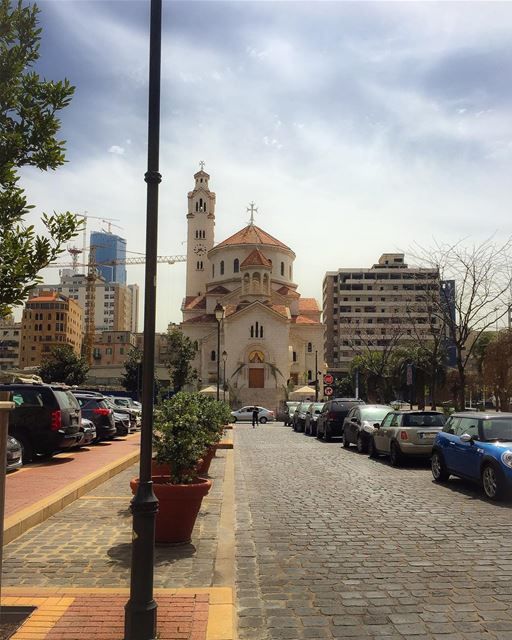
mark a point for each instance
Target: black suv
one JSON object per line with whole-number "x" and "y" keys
{"x": 45, "y": 419}
{"x": 95, "y": 409}
{"x": 334, "y": 412}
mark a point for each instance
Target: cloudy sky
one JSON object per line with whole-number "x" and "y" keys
{"x": 356, "y": 127}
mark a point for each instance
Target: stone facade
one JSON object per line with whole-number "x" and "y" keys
{"x": 270, "y": 336}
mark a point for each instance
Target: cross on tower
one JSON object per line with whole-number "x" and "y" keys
{"x": 252, "y": 209}
{"x": 201, "y": 164}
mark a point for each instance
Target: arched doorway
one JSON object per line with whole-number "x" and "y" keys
{"x": 256, "y": 369}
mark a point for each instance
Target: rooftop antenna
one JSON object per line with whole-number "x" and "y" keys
{"x": 252, "y": 210}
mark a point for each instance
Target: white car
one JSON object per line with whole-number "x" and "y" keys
{"x": 245, "y": 413}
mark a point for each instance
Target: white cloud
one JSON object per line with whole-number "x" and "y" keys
{"x": 116, "y": 149}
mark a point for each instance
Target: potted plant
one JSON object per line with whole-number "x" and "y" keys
{"x": 213, "y": 416}
{"x": 179, "y": 442}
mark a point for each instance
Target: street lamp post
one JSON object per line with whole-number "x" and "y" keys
{"x": 140, "y": 610}
{"x": 224, "y": 358}
{"x": 219, "y": 315}
{"x": 316, "y": 376}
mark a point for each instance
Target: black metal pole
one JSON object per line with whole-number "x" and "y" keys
{"x": 316, "y": 376}
{"x": 218, "y": 359}
{"x": 224, "y": 382}
{"x": 140, "y": 610}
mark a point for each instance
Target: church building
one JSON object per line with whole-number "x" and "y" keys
{"x": 271, "y": 339}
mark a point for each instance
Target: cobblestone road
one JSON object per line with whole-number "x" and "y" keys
{"x": 331, "y": 544}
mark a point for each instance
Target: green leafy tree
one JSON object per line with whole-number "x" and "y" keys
{"x": 63, "y": 365}
{"x": 28, "y": 129}
{"x": 181, "y": 351}
{"x": 131, "y": 379}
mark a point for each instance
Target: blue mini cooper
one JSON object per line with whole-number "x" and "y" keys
{"x": 476, "y": 446}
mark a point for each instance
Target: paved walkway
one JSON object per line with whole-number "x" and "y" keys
{"x": 331, "y": 544}
{"x": 37, "y": 481}
{"x": 79, "y": 561}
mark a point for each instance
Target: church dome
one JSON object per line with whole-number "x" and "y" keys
{"x": 251, "y": 234}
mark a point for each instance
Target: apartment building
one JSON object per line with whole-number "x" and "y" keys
{"x": 116, "y": 304}
{"x": 374, "y": 308}
{"x": 49, "y": 320}
{"x": 10, "y": 336}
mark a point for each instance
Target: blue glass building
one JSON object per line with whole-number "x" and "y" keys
{"x": 110, "y": 248}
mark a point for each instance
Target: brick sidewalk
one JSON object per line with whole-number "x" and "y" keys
{"x": 98, "y": 614}
{"x": 38, "y": 481}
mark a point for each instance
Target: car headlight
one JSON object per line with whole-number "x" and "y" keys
{"x": 506, "y": 458}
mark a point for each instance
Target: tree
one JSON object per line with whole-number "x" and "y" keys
{"x": 28, "y": 127}
{"x": 181, "y": 351}
{"x": 131, "y": 379}
{"x": 483, "y": 275}
{"x": 63, "y": 365}
{"x": 497, "y": 368}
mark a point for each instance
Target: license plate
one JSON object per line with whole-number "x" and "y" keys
{"x": 427, "y": 436}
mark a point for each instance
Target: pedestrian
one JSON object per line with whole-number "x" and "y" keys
{"x": 255, "y": 419}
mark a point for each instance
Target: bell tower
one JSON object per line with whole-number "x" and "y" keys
{"x": 200, "y": 233}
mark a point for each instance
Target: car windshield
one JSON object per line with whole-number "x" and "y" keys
{"x": 497, "y": 429}
{"x": 66, "y": 399}
{"x": 317, "y": 407}
{"x": 374, "y": 414}
{"x": 423, "y": 420}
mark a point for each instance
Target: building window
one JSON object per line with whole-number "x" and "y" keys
{"x": 310, "y": 347}
{"x": 213, "y": 271}
{"x": 282, "y": 268}
{"x": 213, "y": 356}
{"x": 222, "y": 267}
{"x": 294, "y": 356}
{"x": 236, "y": 265}
{"x": 310, "y": 377}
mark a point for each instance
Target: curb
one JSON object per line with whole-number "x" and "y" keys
{"x": 23, "y": 520}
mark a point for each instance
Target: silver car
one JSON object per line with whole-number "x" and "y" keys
{"x": 405, "y": 433}
{"x": 245, "y": 413}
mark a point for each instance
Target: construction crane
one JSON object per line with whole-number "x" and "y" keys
{"x": 90, "y": 305}
{"x": 86, "y": 217}
{"x": 141, "y": 260}
{"x": 110, "y": 225}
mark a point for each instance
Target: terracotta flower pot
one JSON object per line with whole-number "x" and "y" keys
{"x": 204, "y": 467}
{"x": 178, "y": 507}
{"x": 164, "y": 470}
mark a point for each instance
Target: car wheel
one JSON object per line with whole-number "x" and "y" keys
{"x": 326, "y": 435}
{"x": 318, "y": 434}
{"x": 372, "y": 449}
{"x": 263, "y": 420}
{"x": 492, "y": 482}
{"x": 233, "y": 419}
{"x": 346, "y": 443}
{"x": 439, "y": 471}
{"x": 395, "y": 455}
{"x": 361, "y": 445}
{"x": 27, "y": 453}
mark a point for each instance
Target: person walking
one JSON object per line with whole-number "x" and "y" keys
{"x": 255, "y": 419}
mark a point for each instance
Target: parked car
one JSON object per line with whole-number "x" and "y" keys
{"x": 14, "y": 454}
{"x": 476, "y": 446}
{"x": 312, "y": 414}
{"x": 330, "y": 421}
{"x": 123, "y": 413}
{"x": 299, "y": 417}
{"x": 122, "y": 423}
{"x": 290, "y": 410}
{"x": 359, "y": 425}
{"x": 245, "y": 413}
{"x": 129, "y": 404}
{"x": 96, "y": 409}
{"x": 45, "y": 418}
{"x": 88, "y": 433}
{"x": 406, "y": 433}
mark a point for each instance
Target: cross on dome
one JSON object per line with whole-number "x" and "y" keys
{"x": 252, "y": 209}
{"x": 201, "y": 165}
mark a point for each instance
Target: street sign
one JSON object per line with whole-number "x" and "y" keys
{"x": 328, "y": 391}
{"x": 328, "y": 378}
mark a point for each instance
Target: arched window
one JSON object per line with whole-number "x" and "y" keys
{"x": 294, "y": 356}
{"x": 309, "y": 375}
{"x": 197, "y": 206}
{"x": 236, "y": 265}
{"x": 261, "y": 332}
{"x": 222, "y": 267}
{"x": 213, "y": 271}
{"x": 282, "y": 268}
{"x": 310, "y": 347}
{"x": 252, "y": 331}
{"x": 290, "y": 272}
{"x": 213, "y": 356}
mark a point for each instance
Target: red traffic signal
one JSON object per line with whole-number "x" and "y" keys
{"x": 328, "y": 378}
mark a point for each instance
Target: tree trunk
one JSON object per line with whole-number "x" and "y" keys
{"x": 461, "y": 391}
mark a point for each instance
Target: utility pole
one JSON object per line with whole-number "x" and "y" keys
{"x": 316, "y": 376}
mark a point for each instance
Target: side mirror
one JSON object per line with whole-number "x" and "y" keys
{"x": 465, "y": 437}
{"x": 354, "y": 419}
{"x": 376, "y": 425}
